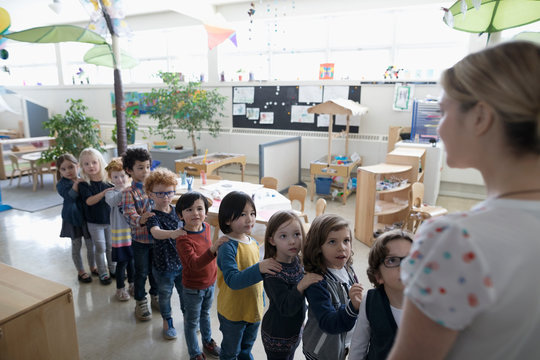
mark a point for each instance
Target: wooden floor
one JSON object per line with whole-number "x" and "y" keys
{"x": 107, "y": 329}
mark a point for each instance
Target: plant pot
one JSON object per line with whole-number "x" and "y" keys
{"x": 239, "y": 77}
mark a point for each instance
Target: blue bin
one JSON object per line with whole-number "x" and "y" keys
{"x": 322, "y": 185}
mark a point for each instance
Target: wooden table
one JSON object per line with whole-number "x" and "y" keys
{"x": 267, "y": 201}
{"x": 33, "y": 158}
{"x": 214, "y": 161}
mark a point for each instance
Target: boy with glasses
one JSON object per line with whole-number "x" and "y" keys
{"x": 380, "y": 310}
{"x": 165, "y": 227}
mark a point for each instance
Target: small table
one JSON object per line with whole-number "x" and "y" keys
{"x": 194, "y": 165}
{"x": 33, "y": 158}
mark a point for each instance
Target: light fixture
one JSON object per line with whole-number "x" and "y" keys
{"x": 56, "y": 6}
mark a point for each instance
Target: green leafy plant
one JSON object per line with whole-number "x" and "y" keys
{"x": 132, "y": 125}
{"x": 73, "y": 131}
{"x": 187, "y": 107}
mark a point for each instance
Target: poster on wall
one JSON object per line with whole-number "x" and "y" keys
{"x": 403, "y": 95}
{"x": 326, "y": 71}
{"x": 299, "y": 114}
{"x": 267, "y": 118}
{"x": 239, "y": 109}
{"x": 252, "y": 113}
{"x": 244, "y": 94}
{"x": 310, "y": 94}
{"x": 323, "y": 120}
{"x": 335, "y": 92}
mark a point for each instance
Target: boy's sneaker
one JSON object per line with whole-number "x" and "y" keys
{"x": 198, "y": 357}
{"x": 105, "y": 279}
{"x": 211, "y": 349}
{"x": 142, "y": 312}
{"x": 170, "y": 332}
{"x": 131, "y": 288}
{"x": 154, "y": 301}
{"x": 122, "y": 294}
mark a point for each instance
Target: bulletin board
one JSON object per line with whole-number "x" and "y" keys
{"x": 251, "y": 106}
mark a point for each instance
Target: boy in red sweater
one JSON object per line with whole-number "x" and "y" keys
{"x": 198, "y": 255}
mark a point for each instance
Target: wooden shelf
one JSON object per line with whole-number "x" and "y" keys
{"x": 388, "y": 207}
{"x": 408, "y": 185}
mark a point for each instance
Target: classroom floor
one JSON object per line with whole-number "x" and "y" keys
{"x": 107, "y": 328}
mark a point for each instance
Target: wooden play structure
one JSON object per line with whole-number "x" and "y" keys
{"x": 210, "y": 163}
{"x": 329, "y": 165}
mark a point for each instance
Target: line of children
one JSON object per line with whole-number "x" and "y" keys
{"x": 120, "y": 230}
{"x": 136, "y": 208}
{"x": 96, "y": 210}
{"x": 380, "y": 310}
{"x": 73, "y": 222}
{"x": 164, "y": 227}
{"x": 198, "y": 256}
{"x": 282, "y": 322}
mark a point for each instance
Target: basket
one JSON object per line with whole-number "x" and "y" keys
{"x": 322, "y": 185}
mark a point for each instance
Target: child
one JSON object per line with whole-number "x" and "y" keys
{"x": 136, "y": 209}
{"x": 121, "y": 232}
{"x": 333, "y": 302}
{"x": 198, "y": 256}
{"x": 73, "y": 224}
{"x": 283, "y": 321}
{"x": 240, "y": 296}
{"x": 380, "y": 310}
{"x": 96, "y": 210}
{"x": 164, "y": 227}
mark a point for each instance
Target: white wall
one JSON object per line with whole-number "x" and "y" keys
{"x": 370, "y": 143}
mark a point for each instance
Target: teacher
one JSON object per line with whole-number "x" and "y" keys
{"x": 472, "y": 279}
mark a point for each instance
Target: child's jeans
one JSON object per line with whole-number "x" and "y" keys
{"x": 167, "y": 281}
{"x": 197, "y": 304}
{"x": 238, "y": 338}
{"x": 121, "y": 267}
{"x": 142, "y": 257}
{"x": 101, "y": 235}
{"x": 76, "y": 245}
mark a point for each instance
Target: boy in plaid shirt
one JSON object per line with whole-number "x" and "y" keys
{"x": 136, "y": 208}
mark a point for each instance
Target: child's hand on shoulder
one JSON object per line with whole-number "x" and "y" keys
{"x": 178, "y": 232}
{"x": 269, "y": 266}
{"x": 355, "y": 294}
{"x": 308, "y": 280}
{"x": 215, "y": 246}
{"x": 145, "y": 216}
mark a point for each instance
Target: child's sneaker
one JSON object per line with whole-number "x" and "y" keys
{"x": 170, "y": 332}
{"x": 198, "y": 357}
{"x": 105, "y": 279}
{"x": 131, "y": 288}
{"x": 142, "y": 312}
{"x": 154, "y": 301}
{"x": 212, "y": 349}
{"x": 122, "y": 294}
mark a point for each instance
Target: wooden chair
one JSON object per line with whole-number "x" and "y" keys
{"x": 213, "y": 177}
{"x": 320, "y": 207}
{"x": 298, "y": 193}
{"x": 47, "y": 168}
{"x": 420, "y": 211}
{"x": 269, "y": 182}
{"x": 19, "y": 169}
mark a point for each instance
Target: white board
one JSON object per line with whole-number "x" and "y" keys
{"x": 281, "y": 159}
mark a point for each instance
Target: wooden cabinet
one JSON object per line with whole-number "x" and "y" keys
{"x": 19, "y": 147}
{"x": 416, "y": 157}
{"x": 37, "y": 318}
{"x": 323, "y": 168}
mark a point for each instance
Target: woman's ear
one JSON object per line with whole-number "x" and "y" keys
{"x": 484, "y": 118}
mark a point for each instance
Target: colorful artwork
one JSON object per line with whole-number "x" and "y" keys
{"x": 326, "y": 71}
{"x": 217, "y": 35}
{"x": 136, "y": 103}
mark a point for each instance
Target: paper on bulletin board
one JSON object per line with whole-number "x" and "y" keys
{"x": 403, "y": 96}
{"x": 239, "y": 109}
{"x": 342, "y": 120}
{"x": 299, "y": 114}
{"x": 310, "y": 94}
{"x": 267, "y": 118}
{"x": 244, "y": 94}
{"x": 323, "y": 120}
{"x": 252, "y": 113}
{"x": 335, "y": 92}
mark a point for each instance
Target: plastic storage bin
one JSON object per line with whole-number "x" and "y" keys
{"x": 322, "y": 185}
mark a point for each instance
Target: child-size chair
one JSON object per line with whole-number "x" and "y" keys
{"x": 19, "y": 169}
{"x": 269, "y": 182}
{"x": 320, "y": 207}
{"x": 419, "y": 210}
{"x": 298, "y": 193}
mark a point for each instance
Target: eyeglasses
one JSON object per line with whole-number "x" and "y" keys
{"x": 393, "y": 261}
{"x": 162, "y": 194}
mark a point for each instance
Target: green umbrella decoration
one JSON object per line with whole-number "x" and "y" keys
{"x": 102, "y": 55}
{"x": 56, "y": 34}
{"x": 489, "y": 16}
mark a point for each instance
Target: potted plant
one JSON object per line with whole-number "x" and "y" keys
{"x": 132, "y": 125}
{"x": 73, "y": 131}
{"x": 185, "y": 106}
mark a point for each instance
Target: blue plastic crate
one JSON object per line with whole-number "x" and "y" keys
{"x": 322, "y": 185}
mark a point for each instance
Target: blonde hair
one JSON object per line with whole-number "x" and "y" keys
{"x": 161, "y": 176}
{"x": 93, "y": 152}
{"x": 114, "y": 165}
{"x": 506, "y": 77}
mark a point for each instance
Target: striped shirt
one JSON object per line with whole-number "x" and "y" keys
{"x": 135, "y": 202}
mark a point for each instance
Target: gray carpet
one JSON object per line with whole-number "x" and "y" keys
{"x": 23, "y": 198}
